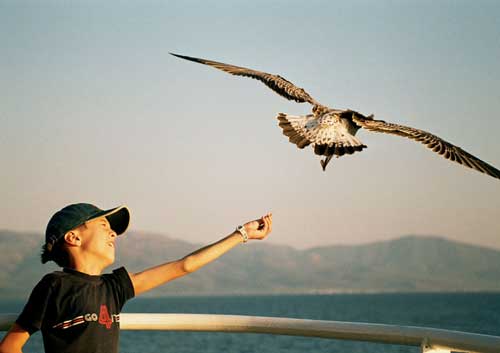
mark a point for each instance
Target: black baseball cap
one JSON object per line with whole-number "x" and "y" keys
{"x": 73, "y": 216}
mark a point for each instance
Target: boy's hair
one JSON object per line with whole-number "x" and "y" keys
{"x": 58, "y": 253}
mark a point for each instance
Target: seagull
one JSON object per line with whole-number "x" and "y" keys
{"x": 331, "y": 132}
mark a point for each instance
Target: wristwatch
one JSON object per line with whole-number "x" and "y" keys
{"x": 243, "y": 232}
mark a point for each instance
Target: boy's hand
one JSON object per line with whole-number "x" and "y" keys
{"x": 260, "y": 228}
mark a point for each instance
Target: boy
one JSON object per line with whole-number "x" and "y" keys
{"x": 77, "y": 309}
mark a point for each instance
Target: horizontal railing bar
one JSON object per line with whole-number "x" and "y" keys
{"x": 392, "y": 334}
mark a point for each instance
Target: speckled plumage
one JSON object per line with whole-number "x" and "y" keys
{"x": 331, "y": 132}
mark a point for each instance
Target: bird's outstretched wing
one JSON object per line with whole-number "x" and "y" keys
{"x": 435, "y": 143}
{"x": 277, "y": 83}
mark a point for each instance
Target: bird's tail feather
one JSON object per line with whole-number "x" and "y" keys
{"x": 295, "y": 128}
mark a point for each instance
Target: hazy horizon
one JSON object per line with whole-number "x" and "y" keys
{"x": 95, "y": 109}
{"x": 139, "y": 232}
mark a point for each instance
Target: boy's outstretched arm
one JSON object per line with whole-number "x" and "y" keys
{"x": 158, "y": 275}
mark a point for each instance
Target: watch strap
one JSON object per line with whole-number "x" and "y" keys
{"x": 243, "y": 232}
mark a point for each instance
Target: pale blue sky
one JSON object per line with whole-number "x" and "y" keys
{"x": 94, "y": 109}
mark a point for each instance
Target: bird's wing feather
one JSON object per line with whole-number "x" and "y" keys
{"x": 277, "y": 83}
{"x": 435, "y": 143}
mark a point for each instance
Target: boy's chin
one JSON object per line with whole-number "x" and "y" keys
{"x": 109, "y": 261}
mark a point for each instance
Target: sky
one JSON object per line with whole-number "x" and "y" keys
{"x": 94, "y": 109}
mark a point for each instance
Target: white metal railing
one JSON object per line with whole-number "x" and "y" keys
{"x": 430, "y": 339}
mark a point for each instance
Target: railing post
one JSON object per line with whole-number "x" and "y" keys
{"x": 429, "y": 348}
{"x": 437, "y": 350}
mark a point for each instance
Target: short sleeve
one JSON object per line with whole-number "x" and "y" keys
{"x": 33, "y": 314}
{"x": 121, "y": 285}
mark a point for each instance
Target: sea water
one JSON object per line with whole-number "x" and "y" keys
{"x": 469, "y": 312}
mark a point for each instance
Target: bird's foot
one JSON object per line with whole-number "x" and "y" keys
{"x": 324, "y": 162}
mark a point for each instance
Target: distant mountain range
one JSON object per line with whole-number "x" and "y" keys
{"x": 407, "y": 264}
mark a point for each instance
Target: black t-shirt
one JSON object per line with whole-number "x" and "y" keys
{"x": 76, "y": 312}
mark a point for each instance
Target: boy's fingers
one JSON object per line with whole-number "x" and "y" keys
{"x": 262, "y": 223}
{"x": 267, "y": 224}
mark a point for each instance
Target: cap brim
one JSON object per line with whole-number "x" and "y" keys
{"x": 118, "y": 218}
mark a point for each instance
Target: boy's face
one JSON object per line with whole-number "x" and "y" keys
{"x": 98, "y": 240}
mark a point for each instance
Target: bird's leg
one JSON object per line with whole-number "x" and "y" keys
{"x": 324, "y": 162}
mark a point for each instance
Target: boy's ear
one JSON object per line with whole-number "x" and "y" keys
{"x": 72, "y": 238}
